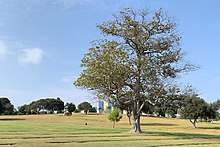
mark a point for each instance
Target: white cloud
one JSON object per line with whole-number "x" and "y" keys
{"x": 31, "y": 56}
{"x": 3, "y": 50}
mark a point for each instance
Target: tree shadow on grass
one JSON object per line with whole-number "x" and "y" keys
{"x": 212, "y": 128}
{"x": 183, "y": 135}
{"x": 157, "y": 124}
{"x": 90, "y": 113}
{"x": 11, "y": 119}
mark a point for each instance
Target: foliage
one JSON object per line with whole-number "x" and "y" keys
{"x": 168, "y": 104}
{"x": 212, "y": 111}
{"x": 15, "y": 112}
{"x": 115, "y": 116}
{"x": 193, "y": 107}
{"x": 6, "y": 107}
{"x": 24, "y": 109}
{"x": 70, "y": 107}
{"x": 85, "y": 106}
{"x": 148, "y": 108}
{"x": 93, "y": 109}
{"x": 127, "y": 108}
{"x": 55, "y": 104}
{"x": 217, "y": 117}
{"x": 216, "y": 105}
{"x": 133, "y": 68}
{"x": 49, "y": 104}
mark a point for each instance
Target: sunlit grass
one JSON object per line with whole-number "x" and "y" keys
{"x": 59, "y": 130}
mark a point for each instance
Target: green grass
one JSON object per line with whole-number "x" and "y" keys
{"x": 59, "y": 130}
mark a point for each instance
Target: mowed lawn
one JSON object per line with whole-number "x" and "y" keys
{"x": 59, "y": 130}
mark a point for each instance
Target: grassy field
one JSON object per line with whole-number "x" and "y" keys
{"x": 59, "y": 130}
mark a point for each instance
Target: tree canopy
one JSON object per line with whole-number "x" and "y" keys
{"x": 70, "y": 107}
{"x": 24, "y": 109}
{"x": 115, "y": 116}
{"x": 192, "y": 106}
{"x": 85, "y": 106}
{"x": 6, "y": 107}
{"x": 49, "y": 104}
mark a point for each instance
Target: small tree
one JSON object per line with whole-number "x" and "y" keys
{"x": 193, "y": 107}
{"x": 71, "y": 107}
{"x": 115, "y": 116}
{"x": 85, "y": 106}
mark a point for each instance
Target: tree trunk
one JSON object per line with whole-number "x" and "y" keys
{"x": 129, "y": 120}
{"x": 193, "y": 123}
{"x": 113, "y": 124}
{"x": 129, "y": 117}
{"x": 136, "y": 127}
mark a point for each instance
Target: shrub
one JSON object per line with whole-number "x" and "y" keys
{"x": 115, "y": 116}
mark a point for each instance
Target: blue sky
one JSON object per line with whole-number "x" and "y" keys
{"x": 43, "y": 41}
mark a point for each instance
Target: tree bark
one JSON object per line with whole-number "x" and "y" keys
{"x": 193, "y": 123}
{"x": 136, "y": 127}
{"x": 129, "y": 120}
{"x": 129, "y": 117}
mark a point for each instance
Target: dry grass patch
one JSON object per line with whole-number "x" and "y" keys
{"x": 59, "y": 130}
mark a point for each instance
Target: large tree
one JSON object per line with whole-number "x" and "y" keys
{"x": 140, "y": 52}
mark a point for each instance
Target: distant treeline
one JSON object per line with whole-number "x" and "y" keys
{"x": 43, "y": 106}
{"x": 48, "y": 105}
